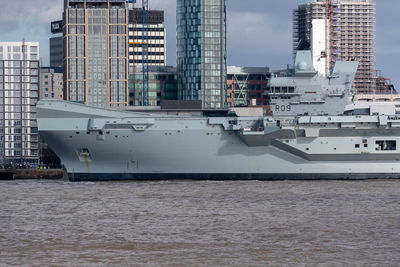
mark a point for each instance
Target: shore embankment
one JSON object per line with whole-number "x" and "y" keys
{"x": 21, "y": 174}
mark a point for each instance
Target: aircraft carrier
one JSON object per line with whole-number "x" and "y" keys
{"x": 315, "y": 132}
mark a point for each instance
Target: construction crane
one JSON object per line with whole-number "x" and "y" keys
{"x": 145, "y": 50}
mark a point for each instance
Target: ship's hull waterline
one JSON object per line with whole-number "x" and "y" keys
{"x": 100, "y": 144}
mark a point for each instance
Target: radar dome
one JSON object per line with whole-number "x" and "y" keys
{"x": 302, "y": 65}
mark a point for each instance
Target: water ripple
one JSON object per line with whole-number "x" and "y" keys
{"x": 183, "y": 223}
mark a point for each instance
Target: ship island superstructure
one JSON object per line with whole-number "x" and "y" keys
{"x": 308, "y": 136}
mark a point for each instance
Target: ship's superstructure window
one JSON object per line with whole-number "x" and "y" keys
{"x": 387, "y": 145}
{"x": 278, "y": 89}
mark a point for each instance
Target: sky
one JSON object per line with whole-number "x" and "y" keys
{"x": 259, "y": 32}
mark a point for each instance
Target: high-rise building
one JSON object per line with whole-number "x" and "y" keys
{"x": 51, "y": 83}
{"x": 201, "y": 51}
{"x": 56, "y": 44}
{"x": 157, "y": 38}
{"x": 96, "y": 45}
{"x": 19, "y": 85}
{"x": 339, "y": 30}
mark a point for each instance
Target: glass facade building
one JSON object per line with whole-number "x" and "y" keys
{"x": 96, "y": 42}
{"x": 163, "y": 85}
{"x": 19, "y": 93}
{"x": 201, "y": 51}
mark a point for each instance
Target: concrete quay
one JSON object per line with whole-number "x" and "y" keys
{"x": 31, "y": 174}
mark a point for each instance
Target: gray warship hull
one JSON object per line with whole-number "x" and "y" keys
{"x": 101, "y": 144}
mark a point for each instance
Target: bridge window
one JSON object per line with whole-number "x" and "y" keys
{"x": 385, "y": 145}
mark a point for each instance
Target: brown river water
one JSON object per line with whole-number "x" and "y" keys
{"x": 205, "y": 223}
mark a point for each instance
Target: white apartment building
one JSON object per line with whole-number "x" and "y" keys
{"x": 19, "y": 85}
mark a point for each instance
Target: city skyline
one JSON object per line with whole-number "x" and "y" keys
{"x": 258, "y": 34}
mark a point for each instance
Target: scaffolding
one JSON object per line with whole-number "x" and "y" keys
{"x": 247, "y": 84}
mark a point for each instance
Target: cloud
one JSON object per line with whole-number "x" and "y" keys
{"x": 29, "y": 20}
{"x": 255, "y": 30}
{"x": 252, "y": 37}
{"x": 388, "y": 39}
{"x": 30, "y": 14}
